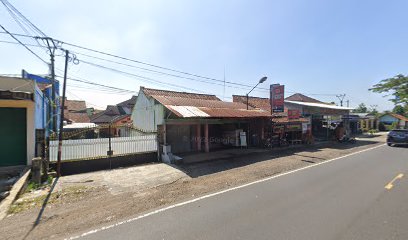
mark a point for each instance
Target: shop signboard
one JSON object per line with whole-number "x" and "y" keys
{"x": 293, "y": 113}
{"x": 277, "y": 97}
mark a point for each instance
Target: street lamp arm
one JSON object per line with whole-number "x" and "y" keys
{"x": 253, "y": 88}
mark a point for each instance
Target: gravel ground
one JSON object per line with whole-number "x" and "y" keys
{"x": 77, "y": 210}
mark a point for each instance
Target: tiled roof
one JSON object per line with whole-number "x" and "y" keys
{"x": 400, "y": 117}
{"x": 128, "y": 103}
{"x": 256, "y": 102}
{"x": 179, "y": 101}
{"x": 189, "y": 105}
{"x": 164, "y": 93}
{"x": 103, "y": 118}
{"x": 77, "y": 117}
{"x": 259, "y": 103}
{"x": 114, "y": 113}
{"x": 298, "y": 97}
{"x": 75, "y": 105}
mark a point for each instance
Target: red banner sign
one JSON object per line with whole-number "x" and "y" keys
{"x": 277, "y": 98}
{"x": 293, "y": 114}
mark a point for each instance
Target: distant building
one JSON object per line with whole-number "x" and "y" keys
{"x": 317, "y": 116}
{"x": 393, "y": 118}
{"x": 116, "y": 115}
{"x": 75, "y": 111}
{"x": 192, "y": 122}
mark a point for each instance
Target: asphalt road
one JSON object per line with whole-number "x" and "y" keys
{"x": 349, "y": 198}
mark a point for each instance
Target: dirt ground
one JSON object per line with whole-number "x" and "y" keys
{"x": 78, "y": 208}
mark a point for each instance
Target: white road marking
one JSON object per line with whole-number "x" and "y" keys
{"x": 217, "y": 193}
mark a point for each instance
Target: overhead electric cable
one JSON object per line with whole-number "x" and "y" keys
{"x": 35, "y": 54}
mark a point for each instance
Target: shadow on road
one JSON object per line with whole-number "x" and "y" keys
{"x": 44, "y": 205}
{"x": 195, "y": 170}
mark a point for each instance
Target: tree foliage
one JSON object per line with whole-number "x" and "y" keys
{"x": 362, "y": 108}
{"x": 396, "y": 86}
{"x": 398, "y": 109}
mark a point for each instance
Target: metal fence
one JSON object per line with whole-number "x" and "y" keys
{"x": 99, "y": 147}
{"x": 101, "y": 142}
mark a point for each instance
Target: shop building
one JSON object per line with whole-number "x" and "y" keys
{"x": 191, "y": 122}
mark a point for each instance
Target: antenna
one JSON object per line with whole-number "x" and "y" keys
{"x": 341, "y": 98}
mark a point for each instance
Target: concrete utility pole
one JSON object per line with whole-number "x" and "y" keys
{"x": 61, "y": 127}
{"x": 341, "y": 98}
{"x": 52, "y": 47}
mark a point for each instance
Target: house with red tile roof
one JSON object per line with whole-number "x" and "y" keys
{"x": 116, "y": 115}
{"x": 391, "y": 118}
{"x": 193, "y": 122}
{"x": 75, "y": 111}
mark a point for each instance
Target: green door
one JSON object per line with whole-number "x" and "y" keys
{"x": 13, "y": 137}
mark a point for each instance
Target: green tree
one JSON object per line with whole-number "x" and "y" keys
{"x": 398, "y": 109}
{"x": 362, "y": 108}
{"x": 396, "y": 86}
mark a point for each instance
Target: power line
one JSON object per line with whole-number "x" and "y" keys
{"x": 30, "y": 24}
{"x": 35, "y": 54}
{"x": 12, "y": 11}
{"x": 169, "y": 74}
{"x": 164, "y": 68}
{"x": 98, "y": 84}
{"x": 139, "y": 76}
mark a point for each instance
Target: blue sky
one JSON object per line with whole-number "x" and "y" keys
{"x": 313, "y": 47}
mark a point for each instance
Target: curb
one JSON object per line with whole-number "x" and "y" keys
{"x": 14, "y": 192}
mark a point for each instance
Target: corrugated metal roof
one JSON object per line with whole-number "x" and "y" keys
{"x": 320, "y": 105}
{"x": 79, "y": 125}
{"x": 235, "y": 113}
{"x": 204, "y": 112}
{"x": 187, "y": 111}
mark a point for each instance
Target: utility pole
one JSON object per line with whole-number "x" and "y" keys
{"x": 61, "y": 126}
{"x": 341, "y": 98}
{"x": 52, "y": 47}
{"x": 348, "y": 103}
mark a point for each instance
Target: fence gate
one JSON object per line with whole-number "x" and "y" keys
{"x": 102, "y": 141}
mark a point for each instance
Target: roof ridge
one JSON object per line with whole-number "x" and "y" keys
{"x": 170, "y": 91}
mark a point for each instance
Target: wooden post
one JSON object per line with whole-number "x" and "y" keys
{"x": 207, "y": 143}
{"x": 198, "y": 137}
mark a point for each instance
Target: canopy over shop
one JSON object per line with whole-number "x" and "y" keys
{"x": 324, "y": 117}
{"x": 288, "y": 125}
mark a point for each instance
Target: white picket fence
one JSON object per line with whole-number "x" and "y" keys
{"x": 94, "y": 148}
